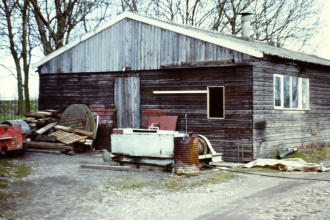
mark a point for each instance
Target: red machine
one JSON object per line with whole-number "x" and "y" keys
{"x": 11, "y": 139}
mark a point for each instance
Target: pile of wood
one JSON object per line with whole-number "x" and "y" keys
{"x": 48, "y": 133}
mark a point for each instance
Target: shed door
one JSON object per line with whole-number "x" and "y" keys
{"x": 127, "y": 101}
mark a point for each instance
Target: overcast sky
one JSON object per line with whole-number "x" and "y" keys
{"x": 320, "y": 44}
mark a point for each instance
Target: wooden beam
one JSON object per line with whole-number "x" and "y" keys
{"x": 44, "y": 151}
{"x": 63, "y": 128}
{"x": 84, "y": 133}
{"x": 47, "y": 145}
{"x": 210, "y": 63}
{"x": 45, "y": 113}
{"x": 34, "y": 115}
{"x": 46, "y": 138}
{"x": 46, "y": 128}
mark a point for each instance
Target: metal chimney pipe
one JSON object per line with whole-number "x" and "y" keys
{"x": 246, "y": 25}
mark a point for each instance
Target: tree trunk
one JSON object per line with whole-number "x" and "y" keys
{"x": 20, "y": 101}
{"x": 25, "y": 55}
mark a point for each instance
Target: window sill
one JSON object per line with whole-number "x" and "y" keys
{"x": 291, "y": 109}
{"x": 215, "y": 118}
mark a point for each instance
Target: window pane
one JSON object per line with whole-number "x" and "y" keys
{"x": 287, "y": 97}
{"x": 305, "y": 93}
{"x": 295, "y": 92}
{"x": 278, "y": 92}
{"x": 216, "y": 102}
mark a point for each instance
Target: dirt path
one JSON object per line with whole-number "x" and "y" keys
{"x": 292, "y": 199}
{"x": 59, "y": 189}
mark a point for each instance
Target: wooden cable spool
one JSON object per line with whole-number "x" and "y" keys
{"x": 78, "y": 116}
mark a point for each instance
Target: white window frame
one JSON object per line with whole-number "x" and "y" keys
{"x": 208, "y": 102}
{"x": 300, "y": 93}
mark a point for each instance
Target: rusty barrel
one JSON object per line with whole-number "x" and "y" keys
{"x": 186, "y": 156}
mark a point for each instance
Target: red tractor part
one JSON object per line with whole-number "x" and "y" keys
{"x": 10, "y": 139}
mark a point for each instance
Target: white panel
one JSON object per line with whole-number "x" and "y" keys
{"x": 143, "y": 145}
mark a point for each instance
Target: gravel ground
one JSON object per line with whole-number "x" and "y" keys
{"x": 59, "y": 189}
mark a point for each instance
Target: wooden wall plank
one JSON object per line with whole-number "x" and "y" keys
{"x": 280, "y": 129}
{"x": 60, "y": 90}
{"x": 139, "y": 46}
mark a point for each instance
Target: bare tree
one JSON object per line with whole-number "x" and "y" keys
{"x": 189, "y": 12}
{"x": 54, "y": 24}
{"x": 285, "y": 21}
{"x": 16, "y": 31}
{"x": 130, "y": 5}
{"x": 57, "y": 19}
{"x": 282, "y": 20}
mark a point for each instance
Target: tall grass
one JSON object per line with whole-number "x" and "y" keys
{"x": 9, "y": 108}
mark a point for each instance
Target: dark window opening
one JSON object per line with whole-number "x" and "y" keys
{"x": 287, "y": 92}
{"x": 278, "y": 91}
{"x": 216, "y": 102}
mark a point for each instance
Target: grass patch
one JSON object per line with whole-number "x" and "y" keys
{"x": 313, "y": 153}
{"x": 257, "y": 169}
{"x": 133, "y": 186}
{"x": 128, "y": 182}
{"x": 312, "y": 157}
{"x": 9, "y": 109}
{"x": 175, "y": 183}
{"x": 9, "y": 169}
{"x": 179, "y": 183}
{"x": 217, "y": 178}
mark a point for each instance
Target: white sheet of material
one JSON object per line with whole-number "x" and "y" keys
{"x": 291, "y": 164}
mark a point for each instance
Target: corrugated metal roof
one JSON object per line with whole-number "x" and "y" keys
{"x": 262, "y": 47}
{"x": 251, "y": 47}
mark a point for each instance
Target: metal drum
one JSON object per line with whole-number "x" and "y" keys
{"x": 186, "y": 156}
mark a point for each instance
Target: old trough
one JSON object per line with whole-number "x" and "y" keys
{"x": 165, "y": 148}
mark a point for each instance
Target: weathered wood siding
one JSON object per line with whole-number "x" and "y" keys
{"x": 60, "y": 90}
{"x": 57, "y": 91}
{"x": 139, "y": 46}
{"x": 127, "y": 101}
{"x": 280, "y": 129}
{"x": 226, "y": 135}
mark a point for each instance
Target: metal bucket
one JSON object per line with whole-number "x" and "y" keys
{"x": 186, "y": 156}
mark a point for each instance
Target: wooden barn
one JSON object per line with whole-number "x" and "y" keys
{"x": 247, "y": 97}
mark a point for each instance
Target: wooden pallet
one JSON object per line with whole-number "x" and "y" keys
{"x": 67, "y": 138}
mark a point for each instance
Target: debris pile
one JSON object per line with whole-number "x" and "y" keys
{"x": 49, "y": 130}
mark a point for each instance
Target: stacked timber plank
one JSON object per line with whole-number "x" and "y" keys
{"x": 47, "y": 133}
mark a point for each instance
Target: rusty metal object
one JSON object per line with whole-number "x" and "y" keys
{"x": 10, "y": 138}
{"x": 164, "y": 122}
{"x": 186, "y": 156}
{"x": 102, "y": 140}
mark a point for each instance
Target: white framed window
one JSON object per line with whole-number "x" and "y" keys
{"x": 215, "y": 102}
{"x": 291, "y": 92}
